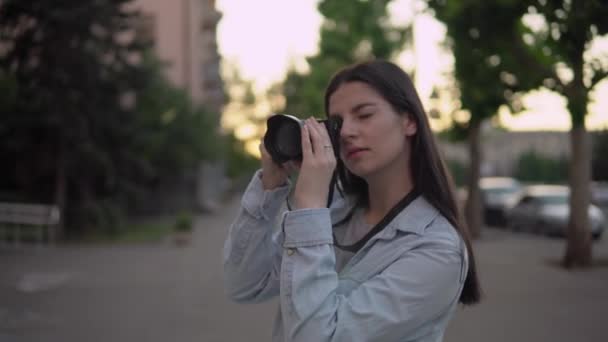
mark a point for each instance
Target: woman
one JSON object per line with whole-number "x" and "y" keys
{"x": 390, "y": 260}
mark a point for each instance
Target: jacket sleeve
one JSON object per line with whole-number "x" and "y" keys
{"x": 251, "y": 251}
{"x": 392, "y": 305}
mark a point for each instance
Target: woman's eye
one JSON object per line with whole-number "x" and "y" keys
{"x": 365, "y": 115}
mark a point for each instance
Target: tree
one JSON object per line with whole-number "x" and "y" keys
{"x": 483, "y": 70}
{"x": 561, "y": 43}
{"x": 88, "y": 120}
{"x": 351, "y": 31}
{"x": 71, "y": 64}
{"x": 170, "y": 137}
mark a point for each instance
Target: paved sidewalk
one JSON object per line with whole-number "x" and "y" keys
{"x": 528, "y": 298}
{"x": 159, "y": 292}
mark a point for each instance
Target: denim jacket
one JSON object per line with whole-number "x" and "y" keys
{"x": 403, "y": 285}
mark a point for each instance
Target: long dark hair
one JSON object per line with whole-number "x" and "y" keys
{"x": 428, "y": 169}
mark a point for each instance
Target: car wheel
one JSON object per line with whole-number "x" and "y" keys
{"x": 597, "y": 235}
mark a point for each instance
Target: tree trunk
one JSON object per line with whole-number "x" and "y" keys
{"x": 578, "y": 249}
{"x": 58, "y": 232}
{"x": 473, "y": 205}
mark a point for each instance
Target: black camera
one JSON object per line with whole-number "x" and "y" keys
{"x": 283, "y": 139}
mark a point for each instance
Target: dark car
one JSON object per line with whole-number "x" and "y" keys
{"x": 545, "y": 209}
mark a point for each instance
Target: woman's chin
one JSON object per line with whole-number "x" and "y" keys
{"x": 358, "y": 171}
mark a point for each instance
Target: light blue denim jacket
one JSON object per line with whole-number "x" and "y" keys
{"x": 403, "y": 285}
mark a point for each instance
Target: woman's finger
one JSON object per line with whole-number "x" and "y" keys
{"x": 321, "y": 142}
{"x": 306, "y": 145}
{"x": 324, "y": 133}
{"x": 315, "y": 136}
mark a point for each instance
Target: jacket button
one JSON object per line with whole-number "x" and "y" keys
{"x": 290, "y": 251}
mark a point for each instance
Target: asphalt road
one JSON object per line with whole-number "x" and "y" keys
{"x": 161, "y": 292}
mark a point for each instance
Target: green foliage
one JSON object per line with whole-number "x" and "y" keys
{"x": 570, "y": 27}
{"x": 131, "y": 232}
{"x": 8, "y": 91}
{"x": 239, "y": 162}
{"x": 173, "y": 134}
{"x": 534, "y": 167}
{"x": 352, "y": 31}
{"x": 65, "y": 123}
{"x": 483, "y": 58}
{"x": 66, "y": 69}
{"x": 183, "y": 222}
{"x": 105, "y": 215}
{"x": 458, "y": 171}
{"x": 600, "y": 159}
{"x": 152, "y": 232}
{"x": 457, "y": 132}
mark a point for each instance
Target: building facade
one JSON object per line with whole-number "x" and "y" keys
{"x": 184, "y": 36}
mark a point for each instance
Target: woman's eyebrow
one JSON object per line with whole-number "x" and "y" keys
{"x": 357, "y": 107}
{"x": 362, "y": 105}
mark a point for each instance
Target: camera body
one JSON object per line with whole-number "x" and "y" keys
{"x": 283, "y": 138}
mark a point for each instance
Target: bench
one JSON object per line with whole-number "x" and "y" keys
{"x": 15, "y": 217}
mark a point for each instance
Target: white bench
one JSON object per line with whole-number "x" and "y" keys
{"x": 15, "y": 217}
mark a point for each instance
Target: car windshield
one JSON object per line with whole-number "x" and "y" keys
{"x": 553, "y": 199}
{"x": 501, "y": 191}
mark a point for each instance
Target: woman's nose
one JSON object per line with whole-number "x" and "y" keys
{"x": 347, "y": 130}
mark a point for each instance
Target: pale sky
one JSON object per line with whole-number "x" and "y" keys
{"x": 262, "y": 38}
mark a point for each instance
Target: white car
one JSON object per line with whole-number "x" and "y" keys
{"x": 545, "y": 209}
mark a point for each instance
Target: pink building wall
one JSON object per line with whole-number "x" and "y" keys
{"x": 178, "y": 39}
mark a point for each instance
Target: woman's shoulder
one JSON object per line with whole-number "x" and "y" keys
{"x": 442, "y": 227}
{"x": 426, "y": 221}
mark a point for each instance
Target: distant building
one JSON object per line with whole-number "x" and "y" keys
{"x": 184, "y": 36}
{"x": 501, "y": 150}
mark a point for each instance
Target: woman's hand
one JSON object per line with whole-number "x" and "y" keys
{"x": 274, "y": 175}
{"x": 318, "y": 164}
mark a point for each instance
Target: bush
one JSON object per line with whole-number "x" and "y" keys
{"x": 534, "y": 167}
{"x": 183, "y": 223}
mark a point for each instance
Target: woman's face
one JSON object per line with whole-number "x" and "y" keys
{"x": 373, "y": 138}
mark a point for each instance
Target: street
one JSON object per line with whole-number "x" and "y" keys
{"x": 161, "y": 292}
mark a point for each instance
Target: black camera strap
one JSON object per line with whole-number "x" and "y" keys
{"x": 354, "y": 248}
{"x": 332, "y": 185}
{"x": 402, "y": 204}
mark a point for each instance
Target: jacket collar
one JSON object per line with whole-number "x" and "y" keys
{"x": 412, "y": 219}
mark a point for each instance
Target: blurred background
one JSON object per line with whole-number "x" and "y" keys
{"x": 129, "y": 129}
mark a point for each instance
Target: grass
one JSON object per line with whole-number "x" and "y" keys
{"x": 143, "y": 232}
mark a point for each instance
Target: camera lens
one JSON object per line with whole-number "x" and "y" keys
{"x": 288, "y": 139}
{"x": 283, "y": 139}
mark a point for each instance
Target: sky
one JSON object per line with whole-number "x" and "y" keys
{"x": 263, "y": 38}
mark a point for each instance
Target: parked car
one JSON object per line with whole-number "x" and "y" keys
{"x": 498, "y": 195}
{"x": 599, "y": 194}
{"x": 545, "y": 209}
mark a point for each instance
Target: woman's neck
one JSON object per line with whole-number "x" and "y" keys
{"x": 384, "y": 193}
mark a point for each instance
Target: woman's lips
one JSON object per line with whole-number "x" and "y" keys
{"x": 354, "y": 153}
